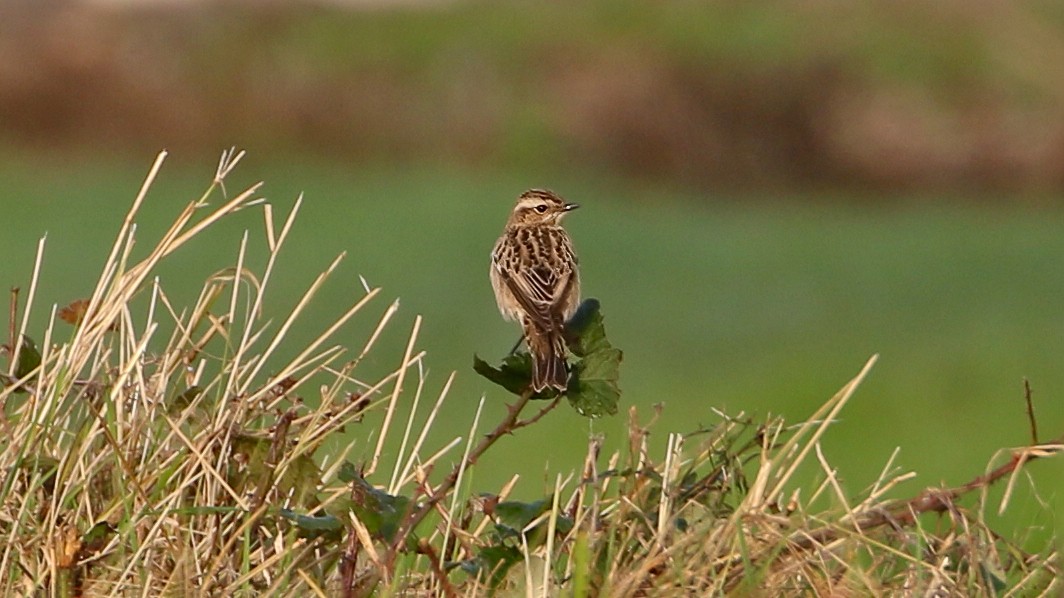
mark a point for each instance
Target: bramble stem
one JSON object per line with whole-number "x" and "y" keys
{"x": 508, "y": 425}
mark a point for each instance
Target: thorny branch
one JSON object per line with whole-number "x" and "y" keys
{"x": 904, "y": 513}
{"x": 446, "y": 587}
{"x": 930, "y": 500}
{"x": 508, "y": 425}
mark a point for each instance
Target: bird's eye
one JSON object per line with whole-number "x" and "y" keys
{"x": 541, "y": 208}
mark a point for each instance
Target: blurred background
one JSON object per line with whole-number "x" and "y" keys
{"x": 772, "y": 193}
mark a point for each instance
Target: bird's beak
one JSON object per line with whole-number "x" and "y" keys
{"x": 571, "y": 206}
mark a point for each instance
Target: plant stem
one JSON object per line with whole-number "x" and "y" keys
{"x": 508, "y": 425}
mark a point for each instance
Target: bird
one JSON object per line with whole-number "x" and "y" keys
{"x": 535, "y": 276}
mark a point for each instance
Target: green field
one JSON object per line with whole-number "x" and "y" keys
{"x": 752, "y": 304}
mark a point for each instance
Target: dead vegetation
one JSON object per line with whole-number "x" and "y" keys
{"x": 164, "y": 450}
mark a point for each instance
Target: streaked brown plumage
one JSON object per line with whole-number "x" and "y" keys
{"x": 536, "y": 281}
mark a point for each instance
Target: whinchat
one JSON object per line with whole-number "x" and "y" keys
{"x": 536, "y": 281}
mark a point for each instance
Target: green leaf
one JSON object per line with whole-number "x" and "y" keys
{"x": 313, "y": 526}
{"x": 28, "y": 358}
{"x": 300, "y": 479}
{"x": 512, "y": 517}
{"x": 183, "y": 400}
{"x": 496, "y": 560}
{"x": 97, "y": 537}
{"x": 593, "y": 389}
{"x": 348, "y": 472}
{"x": 516, "y": 515}
{"x": 380, "y": 512}
{"x": 514, "y": 374}
{"x": 583, "y": 318}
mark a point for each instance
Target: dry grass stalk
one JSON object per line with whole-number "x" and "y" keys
{"x": 162, "y": 450}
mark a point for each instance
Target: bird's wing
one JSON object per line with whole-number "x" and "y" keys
{"x": 539, "y": 290}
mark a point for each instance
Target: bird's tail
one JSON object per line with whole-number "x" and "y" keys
{"x": 549, "y": 367}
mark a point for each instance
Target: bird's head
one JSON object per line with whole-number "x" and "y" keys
{"x": 539, "y": 206}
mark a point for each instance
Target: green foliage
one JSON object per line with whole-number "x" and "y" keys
{"x": 514, "y": 374}
{"x": 494, "y": 562}
{"x": 512, "y": 536}
{"x": 29, "y": 359}
{"x": 97, "y": 537}
{"x": 314, "y": 526}
{"x": 512, "y": 519}
{"x": 255, "y": 468}
{"x": 592, "y": 389}
{"x": 185, "y": 399}
{"x": 380, "y": 512}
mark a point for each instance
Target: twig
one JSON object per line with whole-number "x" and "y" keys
{"x": 12, "y": 316}
{"x": 348, "y": 562}
{"x": 447, "y": 588}
{"x": 508, "y": 425}
{"x": 1030, "y": 411}
{"x": 905, "y": 513}
{"x": 936, "y": 500}
{"x": 273, "y": 457}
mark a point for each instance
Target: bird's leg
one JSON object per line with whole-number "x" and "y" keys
{"x": 517, "y": 345}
